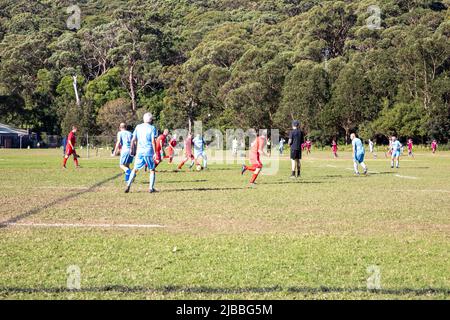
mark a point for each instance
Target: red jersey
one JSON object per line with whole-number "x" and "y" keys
{"x": 71, "y": 137}
{"x": 334, "y": 147}
{"x": 160, "y": 142}
{"x": 410, "y": 145}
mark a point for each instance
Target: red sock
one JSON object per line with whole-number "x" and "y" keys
{"x": 76, "y": 161}
{"x": 181, "y": 164}
{"x": 254, "y": 176}
{"x": 64, "y": 161}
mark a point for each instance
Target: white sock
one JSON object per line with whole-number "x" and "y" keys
{"x": 364, "y": 166}
{"x": 355, "y": 166}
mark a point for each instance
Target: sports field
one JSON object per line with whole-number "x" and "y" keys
{"x": 207, "y": 235}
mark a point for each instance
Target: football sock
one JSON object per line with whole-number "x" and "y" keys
{"x": 355, "y": 167}
{"x": 152, "y": 180}
{"x": 76, "y": 161}
{"x": 181, "y": 165}
{"x": 65, "y": 161}
{"x": 298, "y": 173}
{"x": 293, "y": 173}
{"x": 131, "y": 178}
{"x": 127, "y": 175}
{"x": 254, "y": 176}
{"x": 397, "y": 163}
{"x": 392, "y": 163}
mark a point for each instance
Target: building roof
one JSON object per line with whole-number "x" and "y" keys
{"x": 7, "y": 130}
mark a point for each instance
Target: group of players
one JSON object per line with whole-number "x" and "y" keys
{"x": 147, "y": 150}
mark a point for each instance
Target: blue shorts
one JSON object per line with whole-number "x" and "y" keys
{"x": 126, "y": 158}
{"x": 358, "y": 157}
{"x": 396, "y": 154}
{"x": 142, "y": 161}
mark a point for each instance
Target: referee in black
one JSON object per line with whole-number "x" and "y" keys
{"x": 295, "y": 142}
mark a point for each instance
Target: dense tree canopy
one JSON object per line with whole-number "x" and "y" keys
{"x": 338, "y": 66}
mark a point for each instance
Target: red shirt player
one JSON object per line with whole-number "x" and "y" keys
{"x": 256, "y": 149}
{"x": 434, "y": 146}
{"x": 410, "y": 147}
{"x": 70, "y": 148}
{"x": 308, "y": 146}
{"x": 187, "y": 152}
{"x": 334, "y": 148}
{"x": 160, "y": 142}
{"x": 170, "y": 150}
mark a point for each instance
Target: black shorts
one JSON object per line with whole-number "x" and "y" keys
{"x": 296, "y": 154}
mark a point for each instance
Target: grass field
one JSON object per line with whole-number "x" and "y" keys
{"x": 314, "y": 238}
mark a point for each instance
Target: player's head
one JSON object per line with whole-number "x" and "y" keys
{"x": 148, "y": 117}
{"x": 74, "y": 129}
{"x": 295, "y": 124}
{"x": 352, "y": 136}
{"x": 123, "y": 126}
{"x": 394, "y": 138}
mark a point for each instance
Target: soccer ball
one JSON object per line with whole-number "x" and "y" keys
{"x": 199, "y": 168}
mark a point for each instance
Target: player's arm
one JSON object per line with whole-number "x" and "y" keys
{"x": 154, "y": 146}
{"x": 116, "y": 148}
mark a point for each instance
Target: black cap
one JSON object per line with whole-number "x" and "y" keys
{"x": 295, "y": 123}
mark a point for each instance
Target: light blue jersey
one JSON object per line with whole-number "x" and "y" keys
{"x": 145, "y": 134}
{"x": 199, "y": 145}
{"x": 358, "y": 147}
{"x": 124, "y": 138}
{"x": 396, "y": 146}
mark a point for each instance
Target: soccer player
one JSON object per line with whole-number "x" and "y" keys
{"x": 199, "y": 151}
{"x": 187, "y": 152}
{"x": 281, "y": 146}
{"x": 170, "y": 150}
{"x": 308, "y": 146}
{"x": 295, "y": 143}
{"x": 70, "y": 148}
{"x": 144, "y": 137}
{"x": 372, "y": 148}
{"x": 358, "y": 154}
{"x": 256, "y": 150}
{"x": 410, "y": 148}
{"x": 334, "y": 148}
{"x": 160, "y": 143}
{"x": 124, "y": 145}
{"x": 434, "y": 146}
{"x": 395, "y": 148}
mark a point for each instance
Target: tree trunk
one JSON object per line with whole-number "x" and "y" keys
{"x": 132, "y": 90}
{"x": 75, "y": 88}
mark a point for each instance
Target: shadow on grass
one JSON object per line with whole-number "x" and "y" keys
{"x": 71, "y": 196}
{"x": 213, "y": 290}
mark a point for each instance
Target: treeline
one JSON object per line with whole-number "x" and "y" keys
{"x": 338, "y": 66}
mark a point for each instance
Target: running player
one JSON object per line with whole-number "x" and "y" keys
{"x": 187, "y": 152}
{"x": 334, "y": 148}
{"x": 395, "y": 152}
{"x": 434, "y": 146}
{"x": 170, "y": 150}
{"x": 70, "y": 148}
{"x": 124, "y": 145}
{"x": 410, "y": 148}
{"x": 358, "y": 154}
{"x": 256, "y": 150}
{"x": 199, "y": 151}
{"x": 160, "y": 143}
{"x": 295, "y": 143}
{"x": 144, "y": 137}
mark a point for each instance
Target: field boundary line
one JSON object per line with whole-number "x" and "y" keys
{"x": 34, "y": 211}
{"x": 87, "y": 225}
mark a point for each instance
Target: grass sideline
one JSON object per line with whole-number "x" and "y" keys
{"x": 313, "y": 238}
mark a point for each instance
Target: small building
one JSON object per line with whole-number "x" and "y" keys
{"x": 16, "y": 138}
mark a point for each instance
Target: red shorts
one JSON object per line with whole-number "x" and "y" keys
{"x": 70, "y": 151}
{"x": 255, "y": 161}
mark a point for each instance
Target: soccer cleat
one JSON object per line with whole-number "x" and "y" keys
{"x": 153, "y": 191}
{"x": 365, "y": 172}
{"x": 127, "y": 190}
{"x": 293, "y": 177}
{"x": 244, "y": 168}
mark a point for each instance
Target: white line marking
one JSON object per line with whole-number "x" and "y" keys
{"x": 424, "y": 190}
{"x": 82, "y": 225}
{"x": 406, "y": 177}
{"x": 331, "y": 166}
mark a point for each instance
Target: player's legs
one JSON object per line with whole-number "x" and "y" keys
{"x": 65, "y": 160}
{"x": 355, "y": 167}
{"x": 364, "y": 166}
